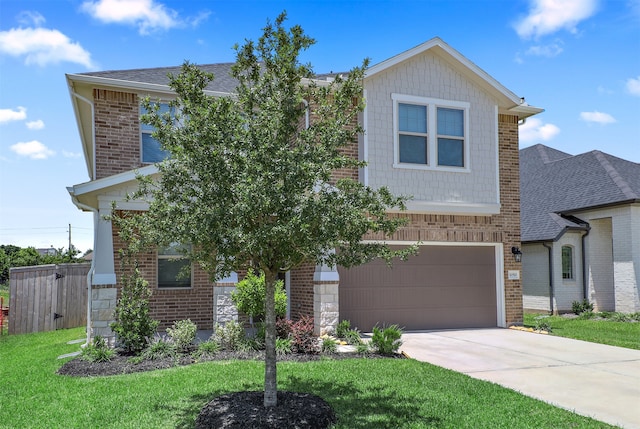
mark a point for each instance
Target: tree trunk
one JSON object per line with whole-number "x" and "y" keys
{"x": 270, "y": 380}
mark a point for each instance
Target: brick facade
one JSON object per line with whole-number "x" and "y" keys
{"x": 117, "y": 132}
{"x": 118, "y": 150}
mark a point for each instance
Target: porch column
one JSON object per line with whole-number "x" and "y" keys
{"x": 325, "y": 299}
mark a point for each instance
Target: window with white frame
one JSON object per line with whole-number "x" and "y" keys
{"x": 567, "y": 262}
{"x": 152, "y": 151}
{"x": 174, "y": 270}
{"x": 430, "y": 133}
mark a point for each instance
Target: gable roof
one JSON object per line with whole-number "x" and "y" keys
{"x": 554, "y": 185}
{"x": 155, "y": 82}
{"x": 508, "y": 101}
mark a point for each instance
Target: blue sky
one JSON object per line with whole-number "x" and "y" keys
{"x": 578, "y": 59}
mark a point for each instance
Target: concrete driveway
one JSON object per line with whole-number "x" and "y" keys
{"x": 590, "y": 379}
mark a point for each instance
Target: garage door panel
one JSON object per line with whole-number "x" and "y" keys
{"x": 442, "y": 287}
{"x": 433, "y": 318}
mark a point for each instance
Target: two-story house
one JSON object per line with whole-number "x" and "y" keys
{"x": 438, "y": 128}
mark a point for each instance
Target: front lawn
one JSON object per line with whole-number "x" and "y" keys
{"x": 365, "y": 393}
{"x": 595, "y": 329}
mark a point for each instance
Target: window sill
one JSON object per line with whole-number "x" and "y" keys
{"x": 403, "y": 166}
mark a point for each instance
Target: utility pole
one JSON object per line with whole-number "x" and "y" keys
{"x": 69, "y": 239}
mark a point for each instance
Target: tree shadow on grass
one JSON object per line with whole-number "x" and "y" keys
{"x": 355, "y": 408}
{"x": 358, "y": 409}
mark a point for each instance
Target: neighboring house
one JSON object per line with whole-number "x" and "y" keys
{"x": 437, "y": 127}
{"x": 580, "y": 230}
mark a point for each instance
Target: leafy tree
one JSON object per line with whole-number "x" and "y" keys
{"x": 249, "y": 186}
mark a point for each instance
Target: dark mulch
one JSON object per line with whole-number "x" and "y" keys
{"x": 245, "y": 410}
{"x": 123, "y": 364}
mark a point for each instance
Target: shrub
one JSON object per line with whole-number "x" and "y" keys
{"x": 133, "y": 324}
{"x": 635, "y": 316}
{"x": 579, "y": 307}
{"x": 353, "y": 337}
{"x": 158, "y": 348}
{"x": 97, "y": 350}
{"x": 206, "y": 348}
{"x": 386, "y": 341}
{"x": 542, "y": 324}
{"x": 587, "y": 314}
{"x": 363, "y": 348}
{"x": 344, "y": 326}
{"x": 328, "y": 345}
{"x": 283, "y": 328}
{"x": 249, "y": 296}
{"x": 283, "y": 346}
{"x": 230, "y": 336}
{"x": 304, "y": 341}
{"x": 183, "y": 333}
{"x": 620, "y": 317}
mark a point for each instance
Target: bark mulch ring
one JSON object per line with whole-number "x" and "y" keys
{"x": 238, "y": 410}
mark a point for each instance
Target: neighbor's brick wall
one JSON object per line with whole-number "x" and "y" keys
{"x": 117, "y": 132}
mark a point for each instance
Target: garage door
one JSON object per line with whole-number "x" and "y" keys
{"x": 442, "y": 287}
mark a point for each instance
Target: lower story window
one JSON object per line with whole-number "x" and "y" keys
{"x": 174, "y": 270}
{"x": 567, "y": 262}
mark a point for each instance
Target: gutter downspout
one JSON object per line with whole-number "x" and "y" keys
{"x": 551, "y": 291}
{"x": 92, "y": 269}
{"x": 585, "y": 274}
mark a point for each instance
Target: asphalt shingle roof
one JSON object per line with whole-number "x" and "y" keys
{"x": 554, "y": 184}
{"x": 222, "y": 82}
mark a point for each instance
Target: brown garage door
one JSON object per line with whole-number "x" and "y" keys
{"x": 441, "y": 287}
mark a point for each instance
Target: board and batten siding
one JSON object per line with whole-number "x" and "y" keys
{"x": 39, "y": 293}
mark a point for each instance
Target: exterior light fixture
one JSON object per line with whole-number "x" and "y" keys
{"x": 517, "y": 253}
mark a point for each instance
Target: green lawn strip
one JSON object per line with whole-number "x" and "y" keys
{"x": 621, "y": 334}
{"x": 365, "y": 393}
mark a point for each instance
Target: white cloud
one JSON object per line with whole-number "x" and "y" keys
{"x": 604, "y": 90}
{"x": 597, "y": 117}
{"x": 35, "y": 125}
{"x": 534, "y": 130}
{"x": 549, "y": 16}
{"x": 146, "y": 14}
{"x": 43, "y": 46}
{"x": 28, "y": 18}
{"x": 68, "y": 154}
{"x": 8, "y": 115}
{"x": 550, "y": 51}
{"x": 33, "y": 149}
{"x": 633, "y": 86}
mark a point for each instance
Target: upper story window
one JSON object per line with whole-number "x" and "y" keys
{"x": 567, "y": 262}
{"x": 152, "y": 151}
{"x": 430, "y": 133}
{"x": 174, "y": 270}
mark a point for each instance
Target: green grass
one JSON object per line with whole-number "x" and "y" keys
{"x": 365, "y": 393}
{"x": 621, "y": 334}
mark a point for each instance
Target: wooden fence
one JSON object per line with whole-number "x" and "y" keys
{"x": 47, "y": 297}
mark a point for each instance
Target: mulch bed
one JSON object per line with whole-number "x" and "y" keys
{"x": 245, "y": 410}
{"x": 122, "y": 364}
{"x": 240, "y": 410}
